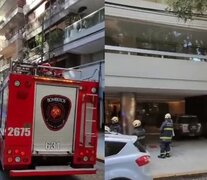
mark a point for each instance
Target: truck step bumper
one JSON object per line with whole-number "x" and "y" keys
{"x": 52, "y": 171}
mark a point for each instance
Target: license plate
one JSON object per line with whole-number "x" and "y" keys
{"x": 193, "y": 127}
{"x": 52, "y": 145}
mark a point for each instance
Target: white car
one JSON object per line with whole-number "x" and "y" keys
{"x": 125, "y": 158}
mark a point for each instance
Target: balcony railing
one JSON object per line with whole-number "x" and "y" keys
{"x": 55, "y": 8}
{"x": 2, "y": 44}
{"x": 2, "y": 3}
{"x": 159, "y": 1}
{"x": 11, "y": 15}
{"x": 34, "y": 24}
{"x": 40, "y": 21}
{"x": 32, "y": 4}
{"x": 77, "y": 28}
{"x": 6, "y": 43}
{"x": 4, "y": 67}
{"x": 153, "y": 53}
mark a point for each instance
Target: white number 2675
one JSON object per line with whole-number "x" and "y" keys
{"x": 19, "y": 131}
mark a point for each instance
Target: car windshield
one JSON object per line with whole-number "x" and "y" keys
{"x": 187, "y": 120}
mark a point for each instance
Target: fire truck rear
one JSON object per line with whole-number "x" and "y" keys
{"x": 48, "y": 124}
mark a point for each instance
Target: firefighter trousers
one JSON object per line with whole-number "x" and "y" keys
{"x": 164, "y": 147}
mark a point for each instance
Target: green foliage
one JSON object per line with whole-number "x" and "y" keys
{"x": 56, "y": 37}
{"x": 186, "y": 9}
{"x": 38, "y": 39}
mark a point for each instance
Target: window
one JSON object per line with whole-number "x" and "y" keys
{"x": 154, "y": 36}
{"x": 113, "y": 148}
{"x": 187, "y": 120}
{"x": 139, "y": 146}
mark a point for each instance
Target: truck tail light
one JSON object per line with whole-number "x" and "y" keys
{"x": 93, "y": 90}
{"x": 85, "y": 158}
{"x": 22, "y": 153}
{"x": 10, "y": 159}
{"x": 86, "y": 155}
{"x": 16, "y": 151}
{"x": 17, "y": 83}
{"x": 17, "y": 159}
{"x": 143, "y": 160}
{"x": 16, "y": 156}
{"x": 9, "y": 151}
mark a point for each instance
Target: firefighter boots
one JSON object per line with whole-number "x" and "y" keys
{"x": 168, "y": 155}
{"x": 161, "y": 156}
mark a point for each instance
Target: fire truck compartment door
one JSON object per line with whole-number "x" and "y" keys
{"x": 47, "y": 137}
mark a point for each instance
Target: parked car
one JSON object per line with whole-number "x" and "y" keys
{"x": 125, "y": 158}
{"x": 187, "y": 125}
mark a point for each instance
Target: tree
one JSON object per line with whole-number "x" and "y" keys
{"x": 186, "y": 9}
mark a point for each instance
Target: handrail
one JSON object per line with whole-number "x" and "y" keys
{"x": 2, "y": 3}
{"x": 162, "y": 54}
{"x": 91, "y": 76}
{"x": 11, "y": 15}
{"x": 88, "y": 64}
{"x": 85, "y": 18}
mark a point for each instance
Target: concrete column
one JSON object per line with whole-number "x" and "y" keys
{"x": 128, "y": 109}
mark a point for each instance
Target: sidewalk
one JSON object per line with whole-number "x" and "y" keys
{"x": 188, "y": 157}
{"x": 101, "y": 147}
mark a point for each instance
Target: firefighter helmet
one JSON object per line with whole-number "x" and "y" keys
{"x": 167, "y": 116}
{"x": 115, "y": 119}
{"x": 46, "y": 71}
{"x": 136, "y": 123}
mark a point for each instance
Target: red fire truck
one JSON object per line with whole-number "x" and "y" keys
{"x": 48, "y": 124}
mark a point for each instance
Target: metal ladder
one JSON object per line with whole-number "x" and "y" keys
{"x": 90, "y": 124}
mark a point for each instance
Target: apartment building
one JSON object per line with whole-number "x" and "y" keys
{"x": 64, "y": 32}
{"x": 154, "y": 62}
{"x": 11, "y": 29}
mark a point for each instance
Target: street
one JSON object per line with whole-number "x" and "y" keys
{"x": 192, "y": 177}
{"x": 188, "y": 157}
{"x": 98, "y": 176}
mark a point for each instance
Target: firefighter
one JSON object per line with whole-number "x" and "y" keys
{"x": 166, "y": 134}
{"x": 115, "y": 126}
{"x": 107, "y": 129}
{"x": 46, "y": 71}
{"x": 139, "y": 131}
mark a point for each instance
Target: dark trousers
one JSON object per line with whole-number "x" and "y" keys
{"x": 164, "y": 147}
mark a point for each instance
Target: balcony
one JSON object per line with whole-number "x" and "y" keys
{"x": 31, "y": 5}
{"x": 5, "y": 5}
{"x": 154, "y": 72}
{"x": 56, "y": 12}
{"x": 14, "y": 19}
{"x": 156, "y": 54}
{"x": 87, "y": 31}
{"x": 51, "y": 16}
{"x": 4, "y": 67}
{"x": 2, "y": 3}
{"x": 9, "y": 47}
{"x": 90, "y": 31}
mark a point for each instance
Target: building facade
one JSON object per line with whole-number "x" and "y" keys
{"x": 153, "y": 61}
{"x": 64, "y": 33}
{"x": 11, "y": 29}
